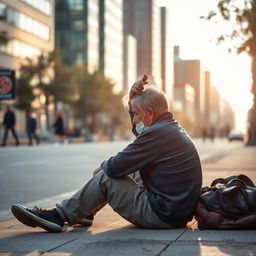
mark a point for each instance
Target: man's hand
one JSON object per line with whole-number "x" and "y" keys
{"x": 96, "y": 171}
{"x": 138, "y": 87}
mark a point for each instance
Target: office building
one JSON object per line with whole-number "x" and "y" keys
{"x": 28, "y": 26}
{"x": 28, "y": 29}
{"x": 130, "y": 61}
{"x": 143, "y": 21}
{"x": 189, "y": 71}
{"x": 91, "y": 33}
{"x": 166, "y": 55}
{"x": 111, "y": 41}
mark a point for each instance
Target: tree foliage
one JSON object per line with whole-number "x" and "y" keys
{"x": 96, "y": 97}
{"x": 24, "y": 93}
{"x": 242, "y": 14}
{"x": 48, "y": 73}
{"x": 63, "y": 85}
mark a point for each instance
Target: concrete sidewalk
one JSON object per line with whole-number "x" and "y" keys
{"x": 111, "y": 235}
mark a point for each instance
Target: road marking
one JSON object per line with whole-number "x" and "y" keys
{"x": 43, "y": 203}
{"x": 28, "y": 163}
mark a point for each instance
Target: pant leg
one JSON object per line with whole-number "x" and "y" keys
{"x": 29, "y": 138}
{"x": 6, "y": 131}
{"x": 15, "y": 135}
{"x": 36, "y": 138}
{"x": 124, "y": 195}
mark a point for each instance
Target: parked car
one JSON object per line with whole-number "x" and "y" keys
{"x": 235, "y": 135}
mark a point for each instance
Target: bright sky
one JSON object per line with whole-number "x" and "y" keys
{"x": 230, "y": 73}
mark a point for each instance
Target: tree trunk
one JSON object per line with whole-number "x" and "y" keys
{"x": 252, "y": 112}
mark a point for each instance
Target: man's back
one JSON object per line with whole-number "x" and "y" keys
{"x": 169, "y": 166}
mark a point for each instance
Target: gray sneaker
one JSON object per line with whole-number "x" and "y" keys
{"x": 49, "y": 220}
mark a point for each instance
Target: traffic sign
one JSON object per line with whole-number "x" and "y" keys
{"x": 7, "y": 84}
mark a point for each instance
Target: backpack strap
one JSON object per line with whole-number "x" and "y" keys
{"x": 219, "y": 181}
{"x": 246, "y": 180}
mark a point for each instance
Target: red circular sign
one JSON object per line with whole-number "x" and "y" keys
{"x": 5, "y": 84}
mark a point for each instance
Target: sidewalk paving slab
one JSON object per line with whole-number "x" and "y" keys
{"x": 112, "y": 235}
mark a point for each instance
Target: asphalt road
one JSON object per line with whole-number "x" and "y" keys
{"x": 43, "y": 175}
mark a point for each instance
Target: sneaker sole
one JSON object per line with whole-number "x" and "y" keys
{"x": 32, "y": 220}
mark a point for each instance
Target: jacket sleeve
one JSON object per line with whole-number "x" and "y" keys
{"x": 134, "y": 157}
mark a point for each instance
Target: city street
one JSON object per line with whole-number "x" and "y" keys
{"x": 46, "y": 174}
{"x": 43, "y": 175}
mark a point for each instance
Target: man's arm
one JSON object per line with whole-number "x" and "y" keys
{"x": 138, "y": 87}
{"x": 136, "y": 156}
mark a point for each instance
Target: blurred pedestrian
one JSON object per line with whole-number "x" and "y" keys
{"x": 9, "y": 125}
{"x": 169, "y": 171}
{"x": 59, "y": 127}
{"x": 212, "y": 133}
{"x": 204, "y": 132}
{"x": 31, "y": 129}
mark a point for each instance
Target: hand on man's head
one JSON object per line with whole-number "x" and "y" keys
{"x": 138, "y": 87}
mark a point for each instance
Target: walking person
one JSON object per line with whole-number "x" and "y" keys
{"x": 168, "y": 164}
{"x": 59, "y": 127}
{"x": 212, "y": 133}
{"x": 9, "y": 125}
{"x": 31, "y": 129}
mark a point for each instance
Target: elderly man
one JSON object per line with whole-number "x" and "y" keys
{"x": 169, "y": 168}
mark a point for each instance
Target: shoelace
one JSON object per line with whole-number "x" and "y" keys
{"x": 36, "y": 209}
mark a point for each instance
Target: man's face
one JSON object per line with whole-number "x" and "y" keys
{"x": 140, "y": 114}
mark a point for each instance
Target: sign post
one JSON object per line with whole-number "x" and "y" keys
{"x": 7, "y": 84}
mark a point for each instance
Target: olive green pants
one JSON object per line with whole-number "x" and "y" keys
{"x": 127, "y": 197}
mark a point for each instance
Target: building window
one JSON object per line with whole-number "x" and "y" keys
{"x": 28, "y": 24}
{"x": 76, "y": 5}
{"x": 43, "y": 6}
{"x": 20, "y": 49}
{"x": 2, "y": 11}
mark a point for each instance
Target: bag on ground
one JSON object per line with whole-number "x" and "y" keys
{"x": 228, "y": 203}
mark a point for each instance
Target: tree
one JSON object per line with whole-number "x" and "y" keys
{"x": 243, "y": 15}
{"x": 96, "y": 97}
{"x": 24, "y": 93}
{"x": 52, "y": 77}
{"x": 40, "y": 73}
{"x": 63, "y": 86}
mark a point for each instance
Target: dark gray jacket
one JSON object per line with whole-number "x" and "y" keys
{"x": 169, "y": 167}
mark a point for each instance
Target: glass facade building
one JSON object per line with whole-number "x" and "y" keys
{"x": 111, "y": 41}
{"x": 71, "y": 27}
{"x": 91, "y": 33}
{"x": 142, "y": 19}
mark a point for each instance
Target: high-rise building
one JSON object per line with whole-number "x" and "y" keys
{"x": 91, "y": 33}
{"x": 143, "y": 21}
{"x": 207, "y": 95}
{"x": 111, "y": 40}
{"x": 166, "y": 55}
{"x": 130, "y": 61}
{"x": 77, "y": 32}
{"x": 189, "y": 71}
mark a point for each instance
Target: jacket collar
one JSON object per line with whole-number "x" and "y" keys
{"x": 163, "y": 116}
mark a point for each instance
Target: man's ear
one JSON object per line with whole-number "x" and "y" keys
{"x": 151, "y": 113}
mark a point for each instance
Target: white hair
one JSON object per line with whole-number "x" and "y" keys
{"x": 152, "y": 97}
